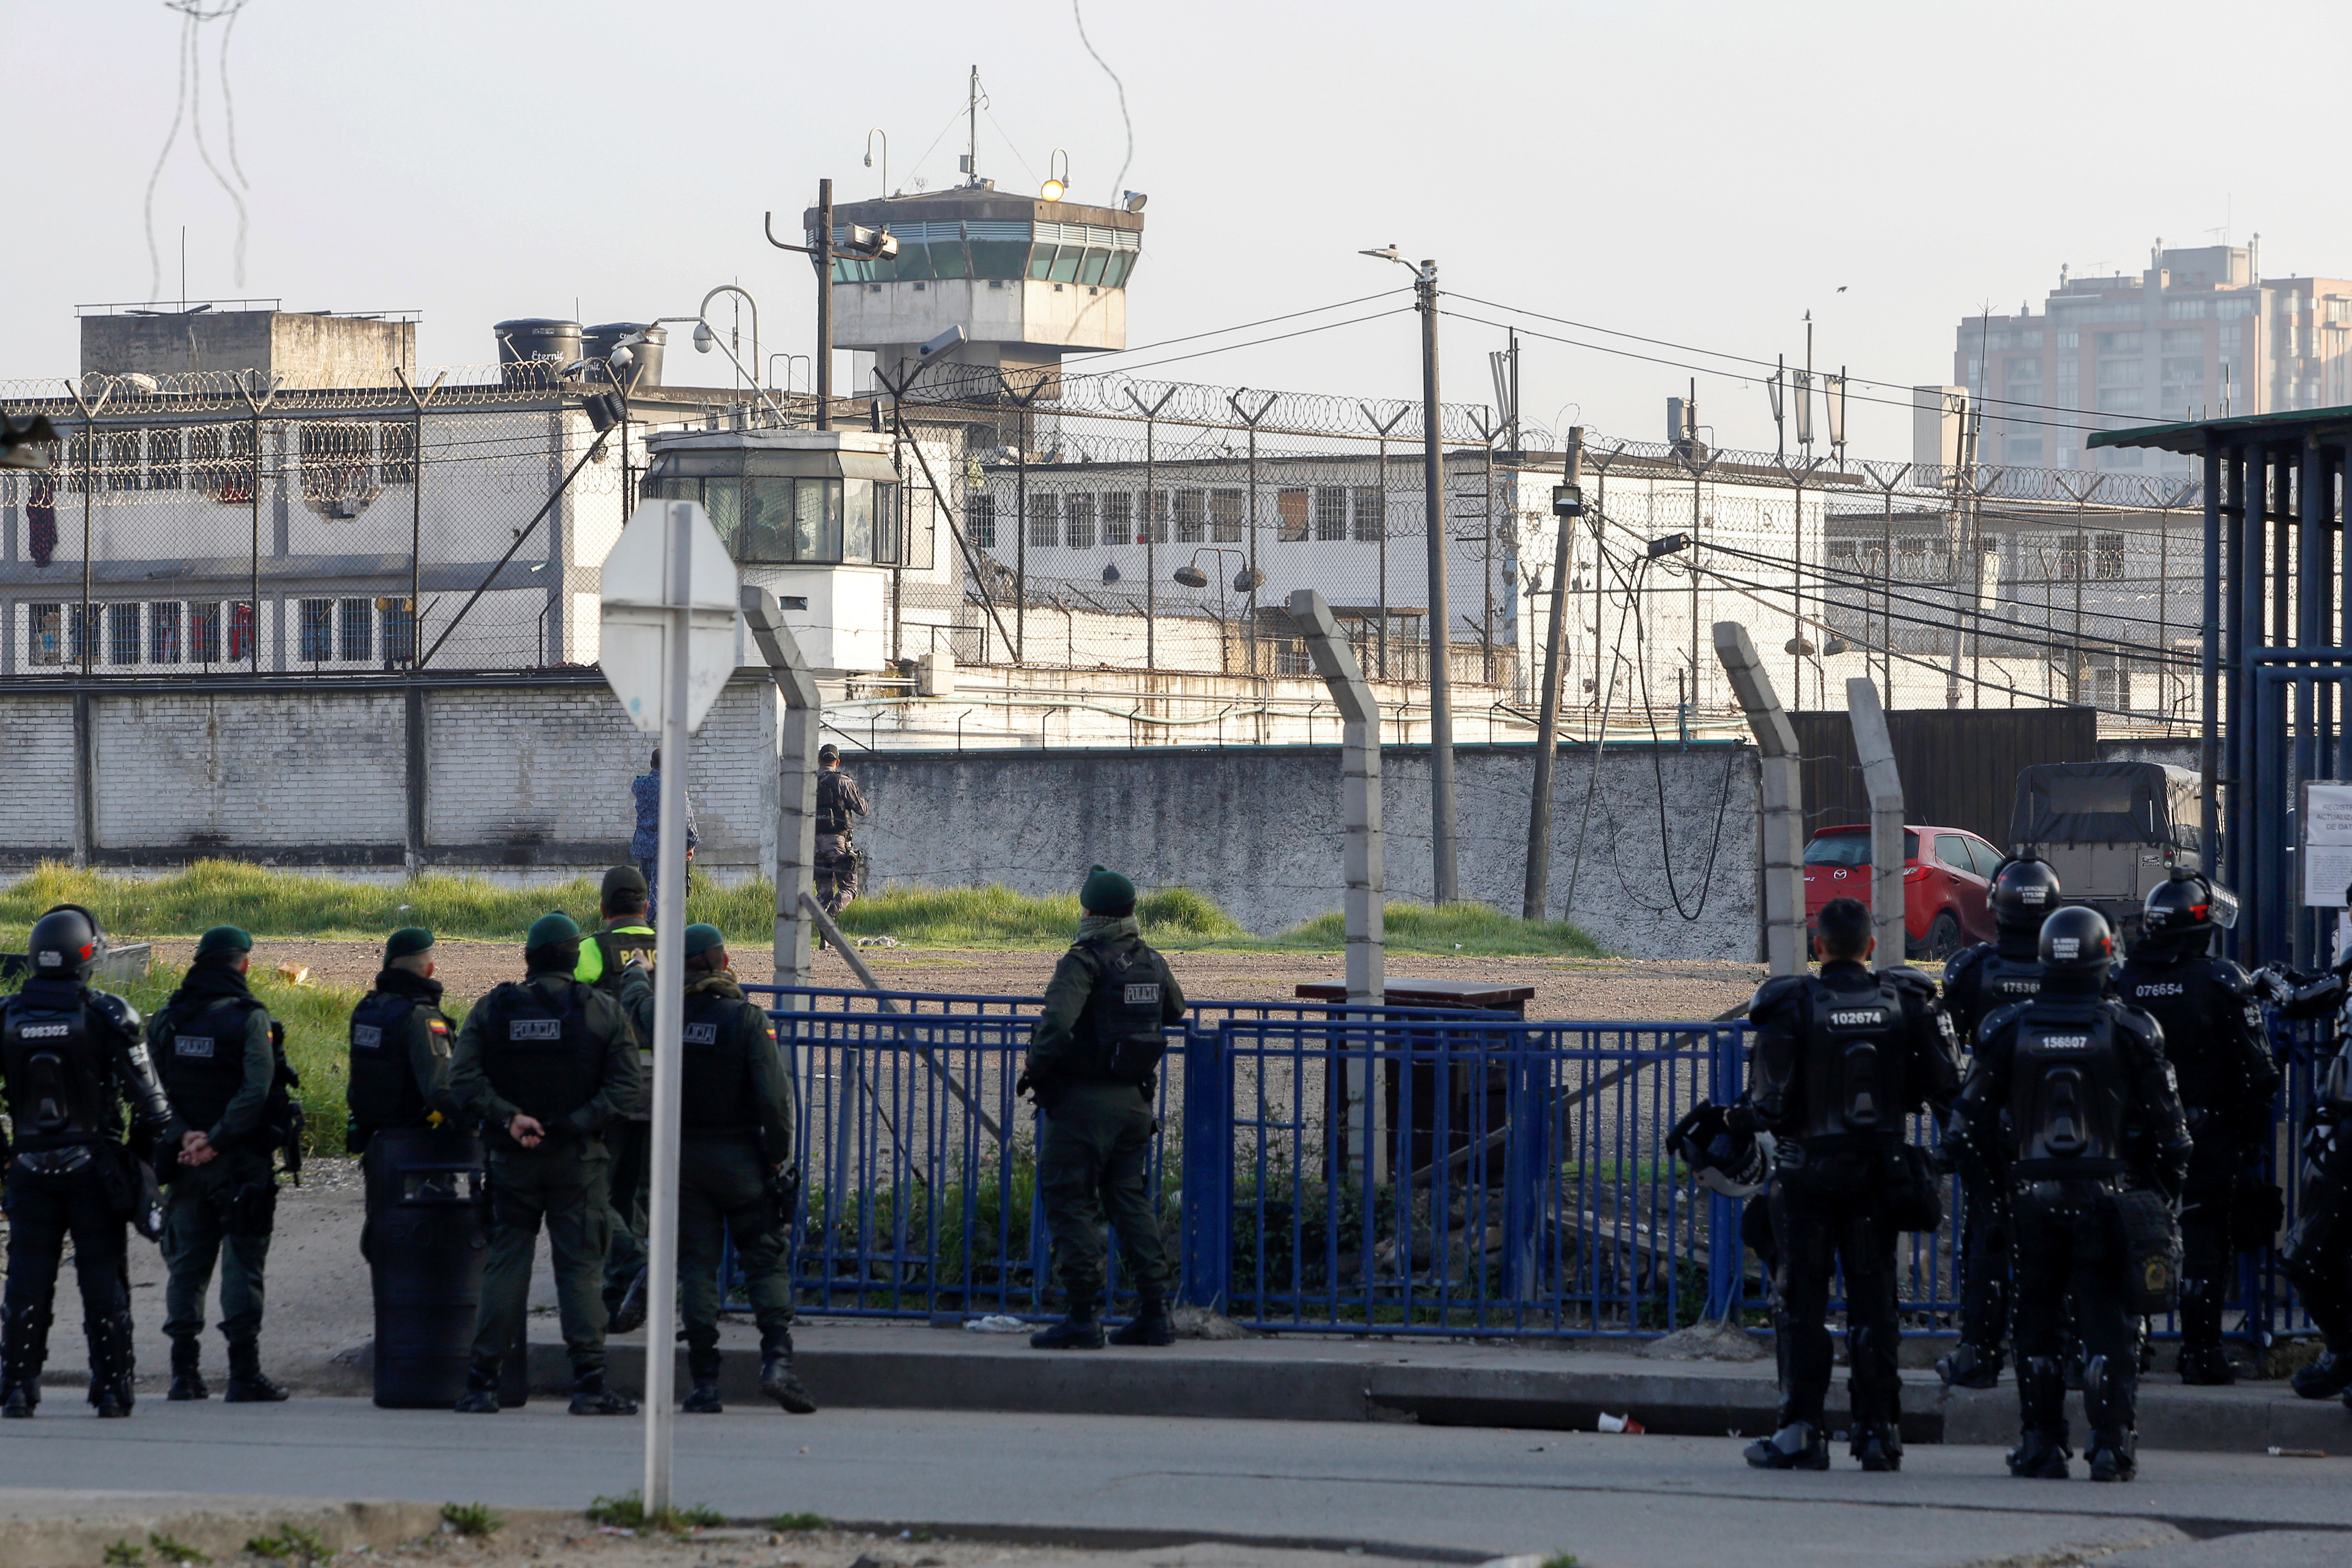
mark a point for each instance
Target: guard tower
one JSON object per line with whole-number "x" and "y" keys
{"x": 1029, "y": 280}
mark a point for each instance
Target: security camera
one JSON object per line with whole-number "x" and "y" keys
{"x": 941, "y": 343}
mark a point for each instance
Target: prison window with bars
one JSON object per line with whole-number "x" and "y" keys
{"x": 1225, "y": 513}
{"x": 356, "y": 621}
{"x": 44, "y": 643}
{"x": 1078, "y": 522}
{"x": 240, "y": 632}
{"x": 318, "y": 631}
{"x": 1044, "y": 524}
{"x": 164, "y": 632}
{"x": 1190, "y": 512}
{"x": 1372, "y": 513}
{"x": 122, "y": 634}
{"x": 399, "y": 631}
{"x": 1290, "y": 516}
{"x": 2108, "y": 555}
{"x": 84, "y": 622}
{"x": 980, "y": 521}
{"x": 1119, "y": 519}
{"x": 1330, "y": 513}
{"x": 204, "y": 633}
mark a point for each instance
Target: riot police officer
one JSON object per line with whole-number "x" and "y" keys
{"x": 545, "y": 1066}
{"x": 400, "y": 1046}
{"x": 735, "y": 1121}
{"x": 2095, "y": 1146}
{"x": 1093, "y": 1054}
{"x": 1980, "y": 979}
{"x": 612, "y": 960}
{"x": 222, "y": 1061}
{"x": 2219, "y": 1046}
{"x": 1842, "y": 1057}
{"x": 71, "y": 1056}
{"x": 839, "y": 802}
{"x": 2318, "y": 1253}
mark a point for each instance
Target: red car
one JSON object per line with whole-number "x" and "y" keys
{"x": 1945, "y": 874}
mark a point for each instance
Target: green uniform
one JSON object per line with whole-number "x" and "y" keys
{"x": 1095, "y": 1125}
{"x": 211, "y": 1048}
{"x": 574, "y": 1075}
{"x": 604, "y": 963}
{"x": 736, "y": 1129}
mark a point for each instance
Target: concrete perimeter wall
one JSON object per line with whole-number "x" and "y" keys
{"x": 533, "y": 774}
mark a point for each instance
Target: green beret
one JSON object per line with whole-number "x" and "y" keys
{"x": 550, "y": 930}
{"x": 1107, "y": 892}
{"x": 701, "y": 939}
{"x": 406, "y": 942}
{"x": 222, "y": 939}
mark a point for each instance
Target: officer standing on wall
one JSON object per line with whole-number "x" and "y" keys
{"x": 545, "y": 1066}
{"x": 2219, "y": 1046}
{"x": 1092, "y": 1056}
{"x": 1843, "y": 1056}
{"x": 222, "y": 1061}
{"x": 400, "y": 1046}
{"x": 839, "y": 802}
{"x": 71, "y": 1056}
{"x": 1978, "y": 981}
{"x": 2074, "y": 1090}
{"x": 611, "y": 959}
{"x": 735, "y": 1121}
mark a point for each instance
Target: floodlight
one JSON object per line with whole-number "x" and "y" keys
{"x": 1053, "y": 190}
{"x": 1192, "y": 576}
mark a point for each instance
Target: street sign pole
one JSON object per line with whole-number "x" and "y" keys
{"x": 668, "y": 647}
{"x": 670, "y": 1017}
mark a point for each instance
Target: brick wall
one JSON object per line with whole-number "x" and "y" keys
{"x": 37, "y": 736}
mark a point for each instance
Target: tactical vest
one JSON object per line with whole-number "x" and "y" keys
{"x": 1857, "y": 1065}
{"x": 715, "y": 1069}
{"x": 201, "y": 1059}
{"x": 382, "y": 1092}
{"x": 603, "y": 954}
{"x": 2067, "y": 1089}
{"x": 2192, "y": 1002}
{"x": 2001, "y": 980}
{"x": 56, "y": 1087}
{"x": 1124, "y": 1012}
{"x": 538, "y": 1055}
{"x": 831, "y": 816}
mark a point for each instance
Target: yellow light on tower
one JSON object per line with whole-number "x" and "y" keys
{"x": 1058, "y": 176}
{"x": 1053, "y": 190}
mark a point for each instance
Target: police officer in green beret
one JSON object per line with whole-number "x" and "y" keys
{"x": 613, "y": 960}
{"x": 735, "y": 1124}
{"x": 400, "y": 1046}
{"x": 1093, "y": 1054}
{"x": 222, "y": 1061}
{"x": 545, "y": 1064}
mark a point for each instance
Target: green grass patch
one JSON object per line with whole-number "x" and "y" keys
{"x": 123, "y": 1554}
{"x": 273, "y": 903}
{"x": 628, "y": 1512}
{"x": 173, "y": 1551}
{"x": 472, "y": 1518}
{"x": 798, "y": 1521}
{"x": 290, "y": 1543}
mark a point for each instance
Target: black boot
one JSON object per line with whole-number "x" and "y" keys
{"x": 1151, "y": 1325}
{"x": 2042, "y": 1452}
{"x": 24, "y": 1350}
{"x": 246, "y": 1383}
{"x": 111, "y": 1365}
{"x": 629, "y": 1314}
{"x": 2325, "y": 1378}
{"x": 1798, "y": 1445}
{"x": 1082, "y": 1330}
{"x": 2202, "y": 1359}
{"x": 1969, "y": 1366}
{"x": 702, "y": 1368}
{"x": 1880, "y": 1448}
{"x": 481, "y": 1395}
{"x": 591, "y": 1397}
{"x": 777, "y": 1379}
{"x": 187, "y": 1378}
{"x": 2108, "y": 1391}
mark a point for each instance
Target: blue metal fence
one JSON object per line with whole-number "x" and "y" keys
{"x": 1316, "y": 1167}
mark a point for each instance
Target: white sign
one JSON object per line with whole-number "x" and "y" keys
{"x": 639, "y": 599}
{"x": 2326, "y": 857}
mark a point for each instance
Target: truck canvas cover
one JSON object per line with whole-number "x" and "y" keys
{"x": 2106, "y": 802}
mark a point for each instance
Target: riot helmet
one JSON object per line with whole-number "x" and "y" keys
{"x": 2077, "y": 947}
{"x": 66, "y": 945}
{"x": 1732, "y": 1163}
{"x": 2178, "y": 913}
{"x": 2024, "y": 890}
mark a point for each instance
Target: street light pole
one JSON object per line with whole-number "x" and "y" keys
{"x": 823, "y": 304}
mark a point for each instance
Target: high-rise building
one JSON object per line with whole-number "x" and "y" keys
{"x": 2199, "y": 333}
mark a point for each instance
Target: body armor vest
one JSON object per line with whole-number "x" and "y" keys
{"x": 831, "y": 816}
{"x": 57, "y": 1088}
{"x": 201, "y": 1060}
{"x": 715, "y": 1069}
{"x": 539, "y": 1054}
{"x": 2000, "y": 980}
{"x": 1124, "y": 1013}
{"x": 384, "y": 1091}
{"x": 2192, "y": 1002}
{"x": 1857, "y": 1061}
{"x": 604, "y": 954}
{"x": 2067, "y": 1090}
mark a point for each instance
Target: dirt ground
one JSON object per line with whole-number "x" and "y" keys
{"x": 578, "y": 1541}
{"x": 1629, "y": 989}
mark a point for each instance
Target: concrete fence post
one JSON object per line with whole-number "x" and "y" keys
{"x": 1782, "y": 789}
{"x": 1885, "y": 782}
{"x": 1365, "y": 903}
{"x": 795, "y": 782}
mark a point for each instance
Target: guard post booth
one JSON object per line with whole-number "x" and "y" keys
{"x": 814, "y": 516}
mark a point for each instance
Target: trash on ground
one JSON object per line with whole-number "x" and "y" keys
{"x": 1625, "y": 1423}
{"x": 995, "y": 1323}
{"x": 2278, "y": 1453}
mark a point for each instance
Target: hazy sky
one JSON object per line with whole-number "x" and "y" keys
{"x": 1703, "y": 172}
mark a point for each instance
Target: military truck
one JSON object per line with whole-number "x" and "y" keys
{"x": 2110, "y": 830}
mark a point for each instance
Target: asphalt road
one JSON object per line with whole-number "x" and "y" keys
{"x": 1660, "y": 1503}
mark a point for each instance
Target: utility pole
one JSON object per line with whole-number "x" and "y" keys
{"x": 1567, "y": 505}
{"x": 823, "y": 248}
{"x": 1446, "y": 889}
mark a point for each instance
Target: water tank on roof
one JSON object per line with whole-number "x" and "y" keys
{"x": 532, "y": 349}
{"x": 645, "y": 370}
